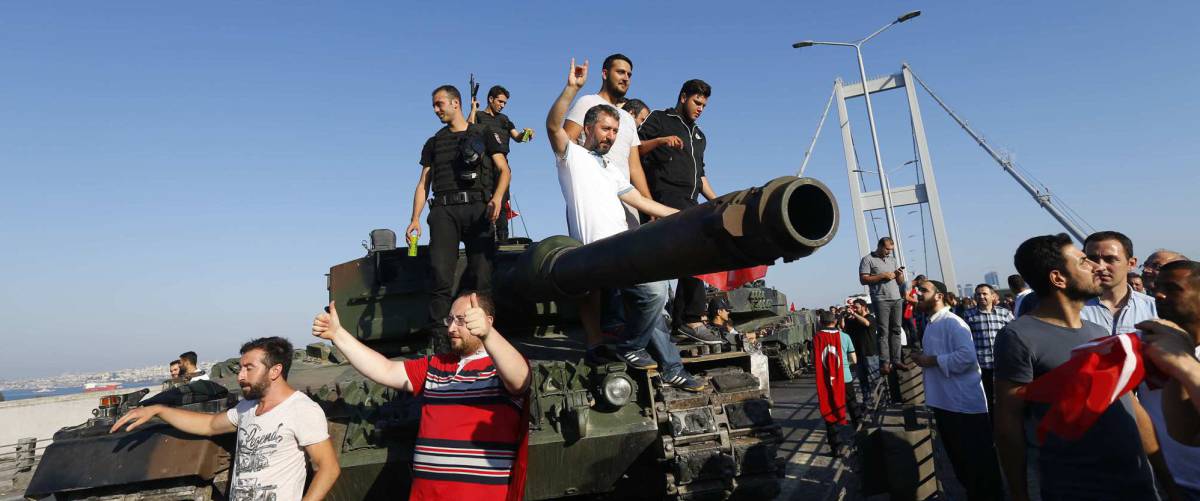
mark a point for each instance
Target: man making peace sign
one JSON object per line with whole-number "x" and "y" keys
{"x": 472, "y": 437}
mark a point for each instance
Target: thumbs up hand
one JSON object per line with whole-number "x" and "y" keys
{"x": 477, "y": 321}
{"x": 326, "y": 325}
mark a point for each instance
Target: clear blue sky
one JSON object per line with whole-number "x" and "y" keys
{"x": 181, "y": 176}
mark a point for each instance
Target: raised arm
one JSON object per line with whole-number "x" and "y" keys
{"x": 510, "y": 365}
{"x": 559, "y": 137}
{"x": 196, "y": 423}
{"x": 369, "y": 362}
{"x": 646, "y": 205}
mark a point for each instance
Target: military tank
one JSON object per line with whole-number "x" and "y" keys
{"x": 595, "y": 431}
{"x": 784, "y": 336}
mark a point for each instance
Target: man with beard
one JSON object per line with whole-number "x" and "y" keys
{"x": 954, "y": 392}
{"x": 859, "y": 323}
{"x": 457, "y": 164}
{"x": 1177, "y": 300}
{"x": 594, "y": 191}
{"x": 1157, "y": 260}
{"x": 276, "y": 426}
{"x": 675, "y": 175}
{"x": 1171, "y": 344}
{"x": 1108, "y": 462}
{"x": 616, "y": 74}
{"x": 472, "y": 438}
{"x": 188, "y": 368}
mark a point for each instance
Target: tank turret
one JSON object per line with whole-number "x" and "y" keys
{"x": 383, "y": 297}
{"x": 638, "y": 438}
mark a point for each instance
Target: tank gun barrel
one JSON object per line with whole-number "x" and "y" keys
{"x": 789, "y": 217}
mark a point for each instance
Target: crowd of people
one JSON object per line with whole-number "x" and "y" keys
{"x": 982, "y": 357}
{"x": 621, "y": 164}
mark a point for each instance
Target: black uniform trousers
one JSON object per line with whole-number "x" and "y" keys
{"x": 449, "y": 225}
{"x": 689, "y": 305}
{"x": 968, "y": 442}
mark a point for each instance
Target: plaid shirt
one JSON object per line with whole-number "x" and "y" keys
{"x": 984, "y": 326}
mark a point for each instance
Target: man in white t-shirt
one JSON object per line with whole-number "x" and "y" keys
{"x": 616, "y": 73}
{"x": 594, "y": 190}
{"x": 276, "y": 426}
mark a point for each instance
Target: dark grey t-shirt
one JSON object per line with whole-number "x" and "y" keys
{"x": 872, "y": 265}
{"x": 1108, "y": 462}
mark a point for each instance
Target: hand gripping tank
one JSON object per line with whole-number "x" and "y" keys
{"x": 607, "y": 431}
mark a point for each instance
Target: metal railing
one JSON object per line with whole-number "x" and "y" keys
{"x": 22, "y": 456}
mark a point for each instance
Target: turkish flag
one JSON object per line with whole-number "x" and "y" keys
{"x": 1083, "y": 388}
{"x": 512, "y": 214}
{"x": 793, "y": 308}
{"x": 730, "y": 280}
{"x": 831, "y": 376}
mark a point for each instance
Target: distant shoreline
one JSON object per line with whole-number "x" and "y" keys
{"x": 25, "y": 394}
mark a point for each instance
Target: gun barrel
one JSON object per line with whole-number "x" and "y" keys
{"x": 789, "y": 218}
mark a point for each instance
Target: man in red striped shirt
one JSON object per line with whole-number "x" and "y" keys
{"x": 473, "y": 434}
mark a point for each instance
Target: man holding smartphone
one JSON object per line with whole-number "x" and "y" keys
{"x": 882, "y": 275}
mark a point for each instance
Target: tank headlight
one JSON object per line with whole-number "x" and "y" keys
{"x": 618, "y": 389}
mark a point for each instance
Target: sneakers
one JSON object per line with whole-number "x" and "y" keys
{"x": 639, "y": 359}
{"x": 685, "y": 381}
{"x": 700, "y": 334}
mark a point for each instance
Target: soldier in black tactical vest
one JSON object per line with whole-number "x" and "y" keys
{"x": 458, "y": 163}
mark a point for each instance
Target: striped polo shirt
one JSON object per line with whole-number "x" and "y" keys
{"x": 472, "y": 429}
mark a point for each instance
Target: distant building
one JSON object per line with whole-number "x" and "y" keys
{"x": 992, "y": 278}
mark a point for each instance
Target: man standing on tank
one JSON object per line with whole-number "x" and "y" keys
{"x": 457, "y": 164}
{"x": 675, "y": 174}
{"x": 497, "y": 122}
{"x": 594, "y": 191}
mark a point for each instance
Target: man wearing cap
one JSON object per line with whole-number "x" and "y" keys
{"x": 718, "y": 316}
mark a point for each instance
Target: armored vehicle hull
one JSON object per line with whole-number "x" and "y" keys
{"x": 598, "y": 431}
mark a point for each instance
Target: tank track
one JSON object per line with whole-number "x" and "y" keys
{"x": 720, "y": 443}
{"x": 785, "y": 363}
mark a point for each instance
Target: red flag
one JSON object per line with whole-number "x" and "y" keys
{"x": 831, "y": 376}
{"x": 730, "y": 280}
{"x": 793, "y": 308}
{"x": 1080, "y": 390}
{"x": 512, "y": 214}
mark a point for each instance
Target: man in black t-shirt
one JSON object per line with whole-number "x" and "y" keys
{"x": 498, "y": 122}
{"x": 1108, "y": 462}
{"x": 457, "y": 163}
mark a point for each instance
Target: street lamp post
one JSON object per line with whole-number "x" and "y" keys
{"x": 885, "y": 188}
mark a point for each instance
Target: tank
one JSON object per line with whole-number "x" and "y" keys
{"x": 784, "y": 336}
{"x": 586, "y": 437}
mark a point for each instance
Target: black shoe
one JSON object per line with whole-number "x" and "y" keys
{"x": 700, "y": 334}
{"x": 639, "y": 359}
{"x": 685, "y": 381}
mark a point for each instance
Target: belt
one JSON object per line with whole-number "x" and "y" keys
{"x": 455, "y": 198}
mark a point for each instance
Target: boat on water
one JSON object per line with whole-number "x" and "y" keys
{"x": 101, "y": 386}
{"x": 43, "y": 390}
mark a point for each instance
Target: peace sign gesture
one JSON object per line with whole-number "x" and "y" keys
{"x": 578, "y": 74}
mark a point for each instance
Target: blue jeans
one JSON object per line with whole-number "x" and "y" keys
{"x": 868, "y": 372}
{"x": 645, "y": 326}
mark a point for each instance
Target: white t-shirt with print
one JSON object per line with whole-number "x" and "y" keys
{"x": 270, "y": 463}
{"x": 627, "y": 138}
{"x": 591, "y": 190}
